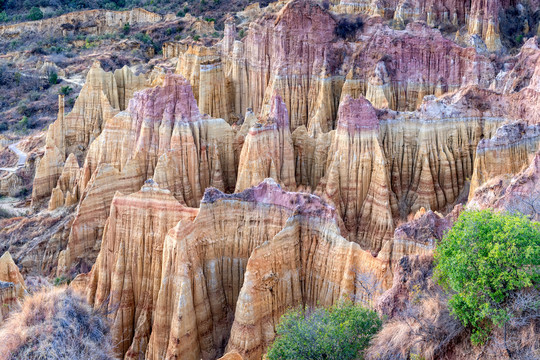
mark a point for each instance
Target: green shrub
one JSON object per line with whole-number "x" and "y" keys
{"x": 35, "y": 14}
{"x": 3, "y": 17}
{"x": 23, "y": 123}
{"x": 65, "y": 90}
{"x": 483, "y": 259}
{"x": 196, "y": 37}
{"x": 126, "y": 29}
{"x": 341, "y": 332}
{"x": 143, "y": 37}
{"x": 53, "y": 78}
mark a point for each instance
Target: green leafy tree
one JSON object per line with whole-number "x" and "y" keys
{"x": 35, "y": 14}
{"x": 341, "y": 332}
{"x": 483, "y": 259}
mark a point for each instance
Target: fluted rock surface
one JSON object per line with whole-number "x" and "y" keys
{"x": 127, "y": 273}
{"x": 306, "y": 264}
{"x": 66, "y": 191}
{"x": 99, "y": 100}
{"x": 509, "y": 151}
{"x": 206, "y": 269}
{"x": 356, "y": 180}
{"x": 520, "y": 193}
{"x": 268, "y": 150}
{"x": 162, "y": 136}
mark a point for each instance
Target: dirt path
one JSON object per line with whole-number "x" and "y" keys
{"x": 20, "y": 162}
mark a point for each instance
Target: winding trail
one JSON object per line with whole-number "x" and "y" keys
{"x": 20, "y": 162}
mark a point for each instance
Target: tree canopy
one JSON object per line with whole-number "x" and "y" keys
{"x": 483, "y": 259}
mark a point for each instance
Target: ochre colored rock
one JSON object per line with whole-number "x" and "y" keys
{"x": 12, "y": 288}
{"x": 162, "y": 136}
{"x": 268, "y": 150}
{"x": 209, "y": 260}
{"x": 66, "y": 191}
{"x": 509, "y": 151}
{"x": 98, "y": 101}
{"x": 96, "y": 22}
{"x": 520, "y": 193}
{"x": 356, "y": 180}
{"x": 127, "y": 272}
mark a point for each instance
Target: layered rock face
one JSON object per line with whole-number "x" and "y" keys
{"x": 211, "y": 261}
{"x": 510, "y": 150}
{"x": 356, "y": 180}
{"x": 99, "y": 100}
{"x": 90, "y": 22}
{"x": 296, "y": 52}
{"x": 127, "y": 273}
{"x": 520, "y": 193}
{"x": 12, "y": 288}
{"x": 162, "y": 136}
{"x": 476, "y": 17}
{"x": 268, "y": 150}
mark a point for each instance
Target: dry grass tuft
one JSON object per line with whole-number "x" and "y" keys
{"x": 56, "y": 324}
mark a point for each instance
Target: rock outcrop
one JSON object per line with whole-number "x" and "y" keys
{"x": 12, "y": 288}
{"x": 95, "y": 22}
{"x": 162, "y": 136}
{"x": 520, "y": 193}
{"x": 126, "y": 276}
{"x": 268, "y": 150}
{"x": 357, "y": 181}
{"x": 215, "y": 263}
{"x": 99, "y": 100}
{"x": 508, "y": 152}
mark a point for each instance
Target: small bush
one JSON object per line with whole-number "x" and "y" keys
{"x": 341, "y": 332}
{"x": 482, "y": 260}
{"x": 23, "y": 123}
{"x": 346, "y": 28}
{"x": 35, "y": 14}
{"x": 53, "y": 78}
{"x": 126, "y": 29}
{"x": 3, "y": 17}
{"x": 143, "y": 37}
{"x": 196, "y": 37}
{"x": 65, "y": 90}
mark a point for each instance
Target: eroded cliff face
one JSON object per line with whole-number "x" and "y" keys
{"x": 99, "y": 100}
{"x": 12, "y": 288}
{"x": 90, "y": 22}
{"x": 163, "y": 136}
{"x": 209, "y": 270}
{"x": 356, "y": 180}
{"x": 359, "y": 134}
{"x": 127, "y": 273}
{"x": 268, "y": 150}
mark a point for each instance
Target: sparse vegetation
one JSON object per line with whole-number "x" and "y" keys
{"x": 53, "y": 78}
{"x": 342, "y": 332}
{"x": 126, "y": 29}
{"x": 35, "y": 14}
{"x": 56, "y": 324}
{"x": 65, "y": 90}
{"x": 5, "y": 214}
{"x": 347, "y": 27}
{"x": 482, "y": 261}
